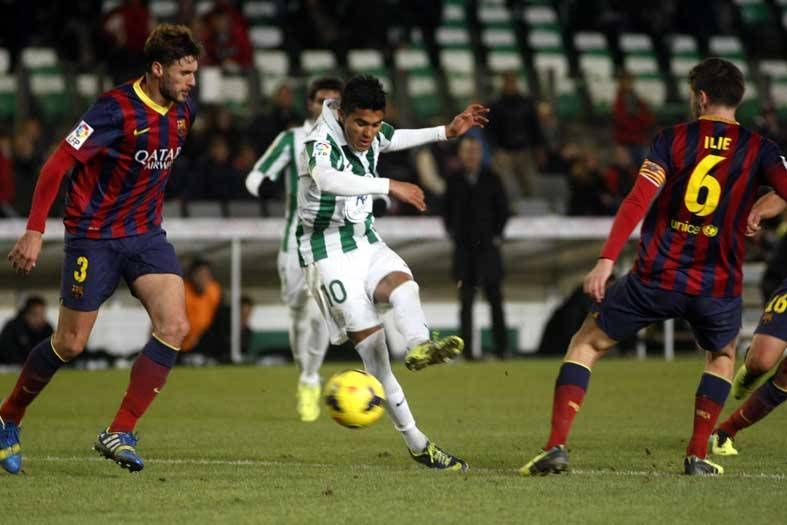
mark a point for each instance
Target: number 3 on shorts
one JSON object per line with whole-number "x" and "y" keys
{"x": 335, "y": 292}
{"x": 80, "y": 274}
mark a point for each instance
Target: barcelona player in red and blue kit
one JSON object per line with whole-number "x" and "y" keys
{"x": 695, "y": 190}
{"x": 119, "y": 157}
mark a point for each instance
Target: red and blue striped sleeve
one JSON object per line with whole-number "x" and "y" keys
{"x": 774, "y": 168}
{"x": 99, "y": 127}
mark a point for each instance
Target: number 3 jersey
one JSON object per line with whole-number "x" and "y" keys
{"x": 709, "y": 173}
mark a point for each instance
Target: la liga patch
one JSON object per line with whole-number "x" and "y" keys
{"x": 80, "y": 135}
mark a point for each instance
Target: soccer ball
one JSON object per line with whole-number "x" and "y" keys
{"x": 354, "y": 398}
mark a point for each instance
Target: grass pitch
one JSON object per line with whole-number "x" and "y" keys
{"x": 224, "y": 445}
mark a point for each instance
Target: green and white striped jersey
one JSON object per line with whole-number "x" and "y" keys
{"x": 330, "y": 223}
{"x": 284, "y": 155}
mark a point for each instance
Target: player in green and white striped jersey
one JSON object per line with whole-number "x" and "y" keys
{"x": 348, "y": 267}
{"x": 308, "y": 332}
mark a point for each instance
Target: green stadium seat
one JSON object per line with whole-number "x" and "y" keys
{"x": 652, "y": 90}
{"x": 8, "y": 100}
{"x": 499, "y": 38}
{"x": 541, "y": 17}
{"x": 551, "y": 63}
{"x": 34, "y": 58}
{"x": 163, "y": 10}
{"x": 266, "y": 37}
{"x": 683, "y": 45}
{"x": 753, "y": 12}
{"x": 641, "y": 65}
{"x": 273, "y": 67}
{"x": 596, "y": 65}
{"x": 636, "y": 44}
{"x": 369, "y": 62}
{"x": 421, "y": 87}
{"x": 88, "y": 88}
{"x": 318, "y": 61}
{"x": 493, "y": 15}
{"x": 455, "y": 36}
{"x": 681, "y": 65}
{"x": 545, "y": 40}
{"x": 459, "y": 68}
{"x": 726, "y": 46}
{"x": 591, "y": 42}
{"x": 454, "y": 14}
{"x": 49, "y": 93}
{"x": 602, "y": 91}
{"x": 260, "y": 13}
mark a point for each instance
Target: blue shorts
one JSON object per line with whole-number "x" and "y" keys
{"x": 93, "y": 267}
{"x": 774, "y": 318}
{"x": 629, "y": 306}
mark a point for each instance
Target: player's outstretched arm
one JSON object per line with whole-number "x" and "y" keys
{"x": 474, "y": 116}
{"x": 25, "y": 253}
{"x": 768, "y": 206}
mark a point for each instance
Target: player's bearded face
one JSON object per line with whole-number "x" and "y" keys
{"x": 361, "y": 126}
{"x": 178, "y": 79}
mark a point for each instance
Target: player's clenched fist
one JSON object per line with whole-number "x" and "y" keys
{"x": 25, "y": 253}
{"x": 409, "y": 193}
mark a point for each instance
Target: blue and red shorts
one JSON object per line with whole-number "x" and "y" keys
{"x": 93, "y": 267}
{"x": 774, "y": 318}
{"x": 629, "y": 306}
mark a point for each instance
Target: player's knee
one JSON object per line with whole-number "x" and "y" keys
{"x": 174, "y": 331}
{"x": 68, "y": 344}
{"x": 760, "y": 362}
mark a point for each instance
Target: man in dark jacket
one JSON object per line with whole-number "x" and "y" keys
{"x": 476, "y": 211}
{"x": 24, "y": 331}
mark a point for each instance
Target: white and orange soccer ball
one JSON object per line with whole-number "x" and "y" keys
{"x": 354, "y": 398}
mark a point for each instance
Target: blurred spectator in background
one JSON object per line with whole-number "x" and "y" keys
{"x": 23, "y": 332}
{"x": 585, "y": 183}
{"x": 475, "y": 215}
{"x": 618, "y": 178}
{"x": 553, "y": 134}
{"x": 126, "y": 28}
{"x": 246, "y": 308}
{"x": 226, "y": 38}
{"x": 633, "y": 119}
{"x": 770, "y": 125}
{"x": 203, "y": 297}
{"x": 214, "y": 177}
{"x": 516, "y": 138}
{"x": 283, "y": 115}
{"x": 27, "y": 162}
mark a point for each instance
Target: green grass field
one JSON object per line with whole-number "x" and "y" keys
{"x": 224, "y": 445}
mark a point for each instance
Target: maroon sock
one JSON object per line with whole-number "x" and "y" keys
{"x": 570, "y": 387}
{"x": 40, "y": 366}
{"x": 148, "y": 377}
{"x": 756, "y": 407}
{"x": 708, "y": 402}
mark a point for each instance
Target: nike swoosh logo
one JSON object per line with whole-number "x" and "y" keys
{"x": 156, "y": 390}
{"x": 400, "y": 403}
{"x": 25, "y": 389}
{"x": 138, "y": 132}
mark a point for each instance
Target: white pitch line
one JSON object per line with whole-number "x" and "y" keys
{"x": 270, "y": 463}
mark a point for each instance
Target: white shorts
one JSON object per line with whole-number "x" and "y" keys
{"x": 294, "y": 292}
{"x": 344, "y": 286}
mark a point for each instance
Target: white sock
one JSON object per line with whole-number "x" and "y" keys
{"x": 316, "y": 346}
{"x": 408, "y": 313}
{"x": 298, "y": 333}
{"x": 374, "y": 354}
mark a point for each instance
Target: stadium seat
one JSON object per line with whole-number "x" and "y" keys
{"x": 596, "y": 65}
{"x": 502, "y": 61}
{"x": 88, "y": 88}
{"x": 499, "y": 37}
{"x": 545, "y": 40}
{"x": 454, "y": 14}
{"x": 369, "y": 62}
{"x": 683, "y": 45}
{"x": 260, "y": 13}
{"x": 5, "y": 61}
{"x": 34, "y": 58}
{"x": 452, "y": 37}
{"x": 49, "y": 94}
{"x": 459, "y": 68}
{"x": 541, "y": 17}
{"x": 423, "y": 95}
{"x": 235, "y": 92}
{"x": 590, "y": 42}
{"x": 753, "y": 12}
{"x": 273, "y": 67}
{"x": 641, "y": 65}
{"x": 726, "y": 46}
{"x": 8, "y": 101}
{"x": 493, "y": 14}
{"x": 163, "y": 10}
{"x": 551, "y": 63}
{"x": 602, "y": 92}
{"x": 109, "y": 5}
{"x": 652, "y": 90}
{"x": 636, "y": 43}
{"x": 266, "y": 37}
{"x": 318, "y": 61}
{"x": 204, "y": 6}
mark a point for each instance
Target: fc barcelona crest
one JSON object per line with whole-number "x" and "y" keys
{"x": 182, "y": 127}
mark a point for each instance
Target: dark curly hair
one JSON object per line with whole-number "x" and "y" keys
{"x": 363, "y": 92}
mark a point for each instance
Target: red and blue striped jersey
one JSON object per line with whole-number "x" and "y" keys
{"x": 709, "y": 172}
{"x": 125, "y": 146}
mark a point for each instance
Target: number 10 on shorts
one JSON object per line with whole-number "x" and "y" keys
{"x": 334, "y": 292}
